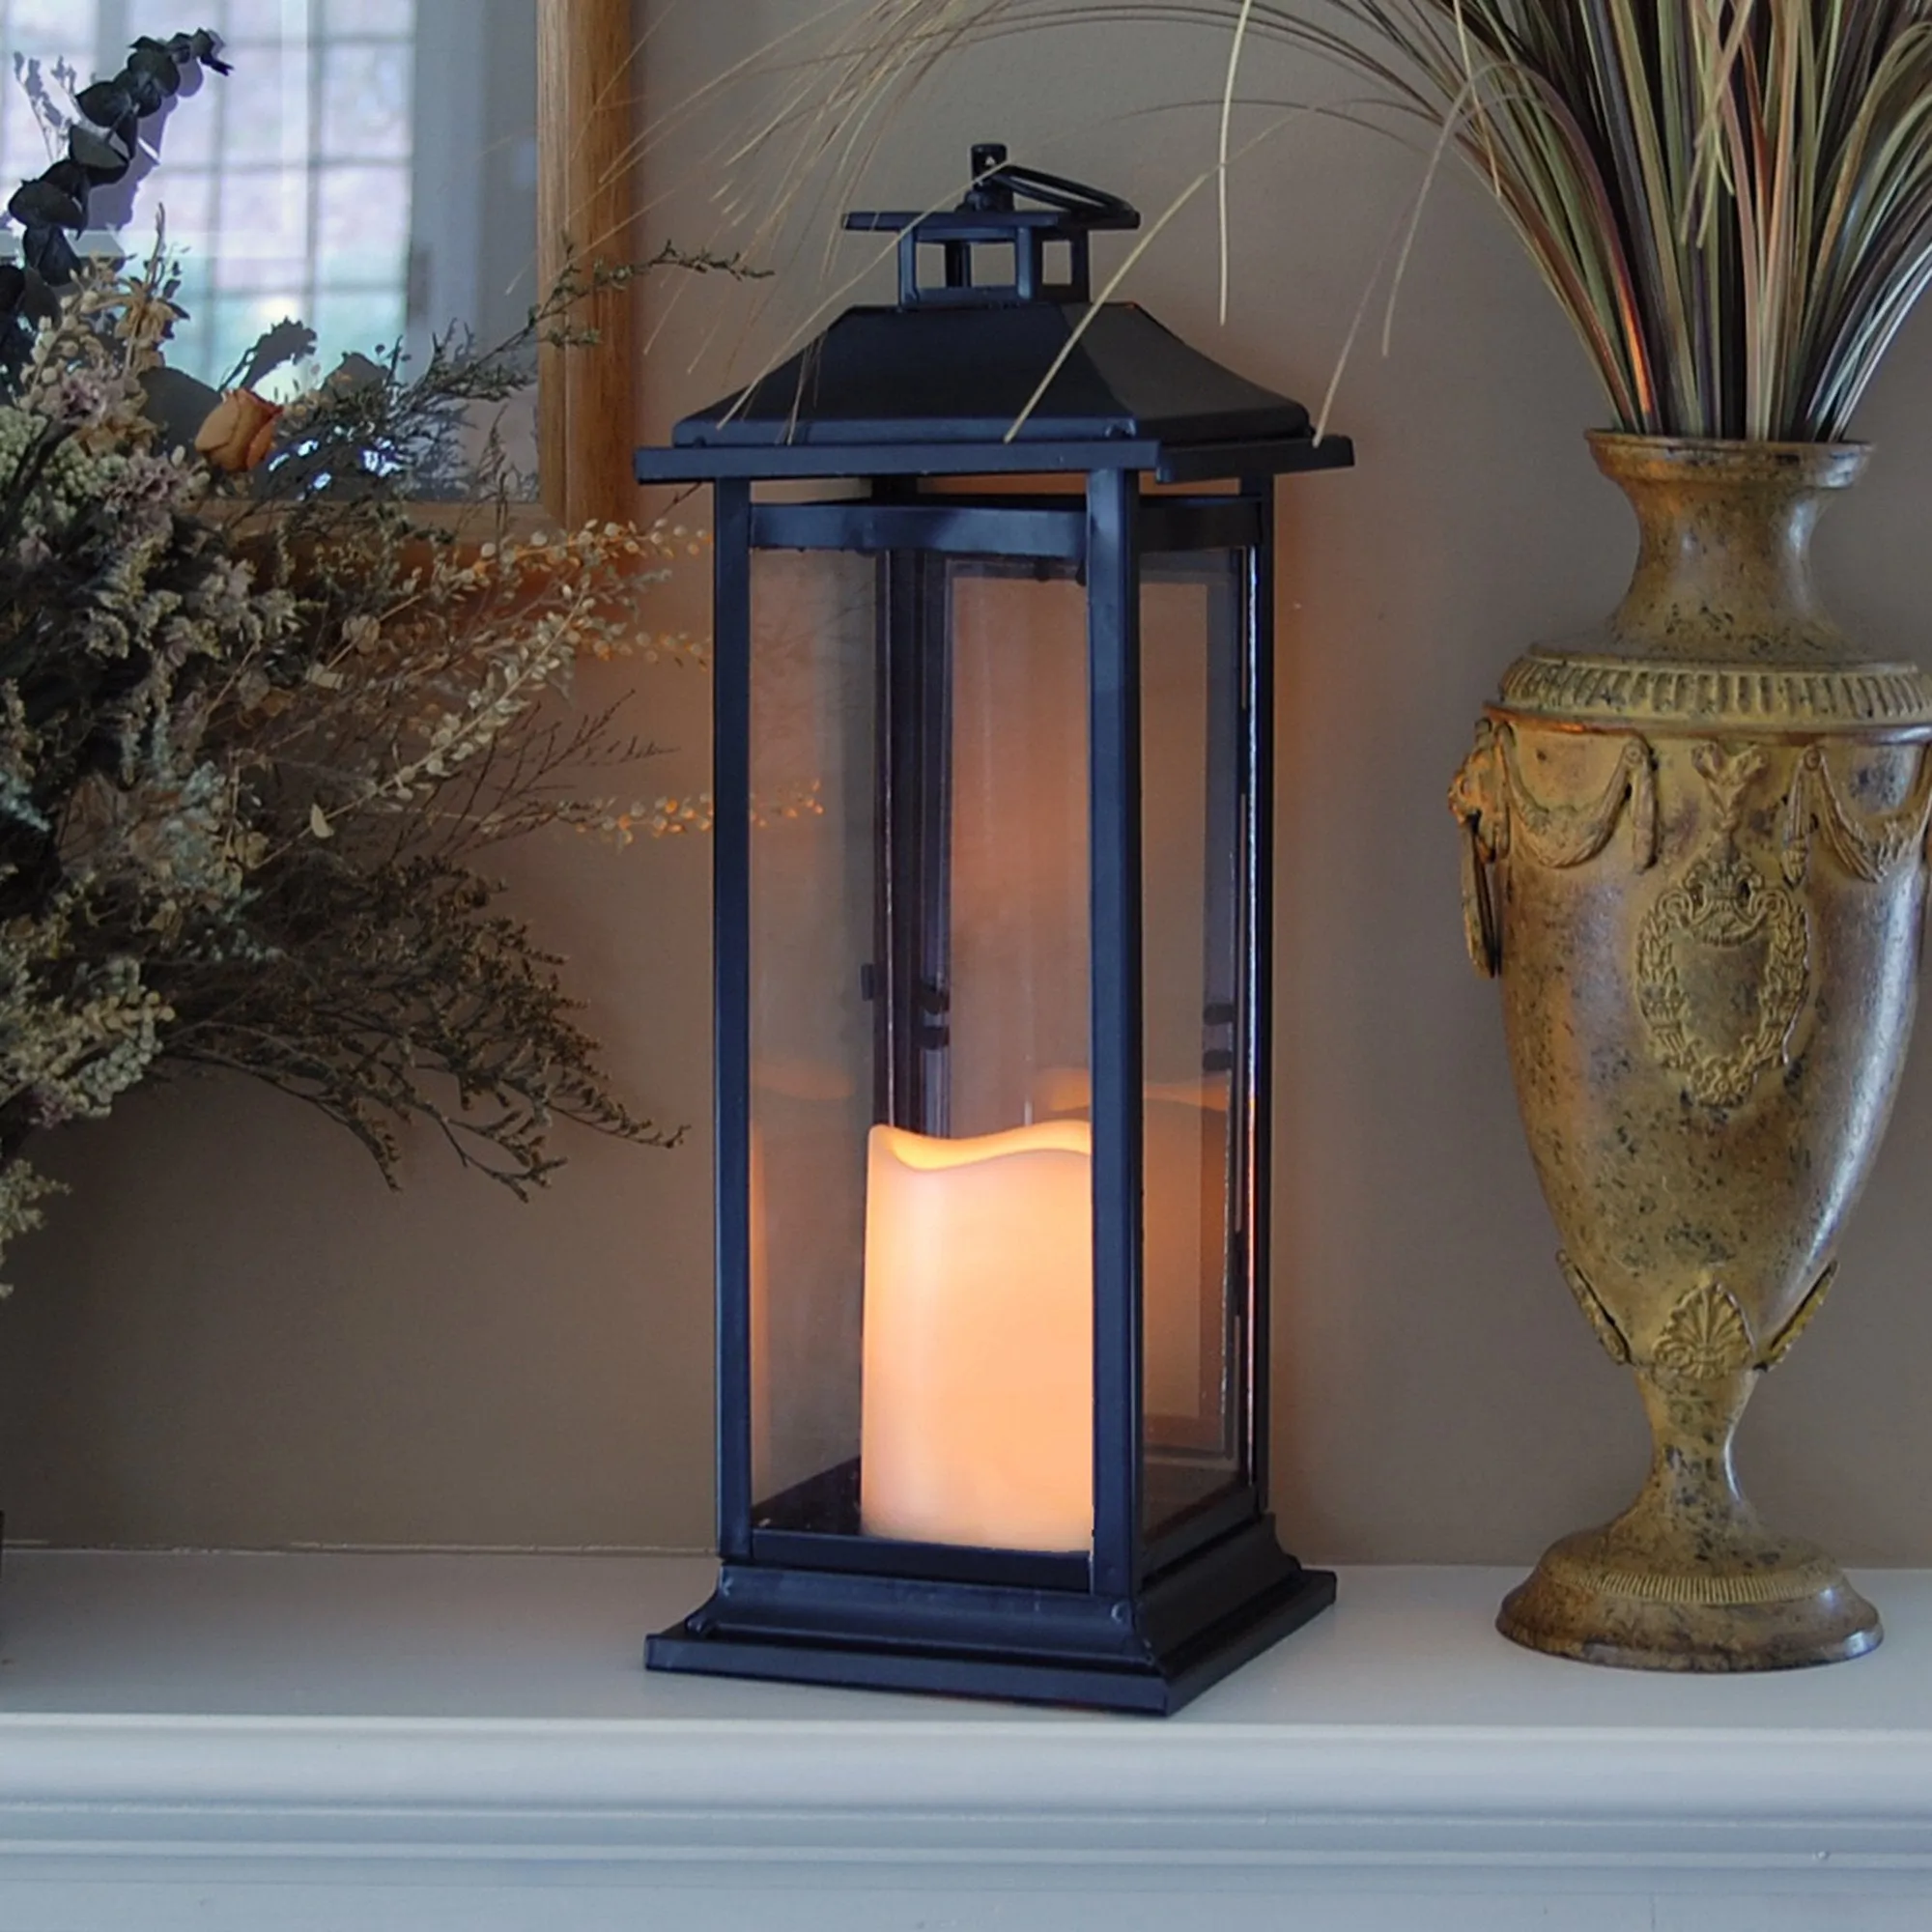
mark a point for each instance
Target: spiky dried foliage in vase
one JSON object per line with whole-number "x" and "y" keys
{"x": 255, "y": 753}
{"x": 1693, "y": 842}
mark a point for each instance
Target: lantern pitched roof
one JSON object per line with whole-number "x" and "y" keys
{"x": 968, "y": 375}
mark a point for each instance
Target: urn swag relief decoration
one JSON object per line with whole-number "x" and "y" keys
{"x": 1705, "y": 1023}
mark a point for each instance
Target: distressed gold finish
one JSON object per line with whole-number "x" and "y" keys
{"x": 1694, "y": 863}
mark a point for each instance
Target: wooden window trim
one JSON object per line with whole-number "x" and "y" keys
{"x": 588, "y": 195}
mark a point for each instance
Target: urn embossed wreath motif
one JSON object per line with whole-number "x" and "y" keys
{"x": 1705, "y": 1023}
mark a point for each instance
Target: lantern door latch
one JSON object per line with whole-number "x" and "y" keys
{"x": 935, "y": 1005}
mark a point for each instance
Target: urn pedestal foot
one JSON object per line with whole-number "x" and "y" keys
{"x": 1687, "y": 1578}
{"x": 1582, "y": 1601}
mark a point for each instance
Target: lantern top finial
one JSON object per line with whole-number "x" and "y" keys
{"x": 990, "y": 217}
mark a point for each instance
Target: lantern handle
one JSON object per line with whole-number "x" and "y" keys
{"x": 990, "y": 216}
{"x": 996, "y": 181}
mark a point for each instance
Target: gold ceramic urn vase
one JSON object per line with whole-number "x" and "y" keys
{"x": 1694, "y": 863}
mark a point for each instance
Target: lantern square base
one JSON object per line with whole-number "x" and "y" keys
{"x": 805, "y": 1627}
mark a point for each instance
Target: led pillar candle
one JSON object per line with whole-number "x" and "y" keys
{"x": 977, "y": 1407}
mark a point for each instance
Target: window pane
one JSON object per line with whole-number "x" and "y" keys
{"x": 188, "y": 132}
{"x": 160, "y": 18}
{"x": 255, "y": 23}
{"x": 49, "y": 26}
{"x": 362, "y": 220}
{"x": 365, "y": 101}
{"x": 249, "y": 216}
{"x": 383, "y": 18}
{"x": 261, "y": 111}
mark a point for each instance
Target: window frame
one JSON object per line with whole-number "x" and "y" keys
{"x": 588, "y": 193}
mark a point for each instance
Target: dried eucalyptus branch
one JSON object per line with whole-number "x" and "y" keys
{"x": 101, "y": 146}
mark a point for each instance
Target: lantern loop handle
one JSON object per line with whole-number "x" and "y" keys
{"x": 1068, "y": 211}
{"x": 996, "y": 182}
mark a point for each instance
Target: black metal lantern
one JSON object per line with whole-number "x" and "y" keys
{"x": 992, "y": 793}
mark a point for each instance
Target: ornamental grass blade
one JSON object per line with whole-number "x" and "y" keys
{"x": 1730, "y": 200}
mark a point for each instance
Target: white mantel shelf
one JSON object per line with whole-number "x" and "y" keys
{"x": 410, "y": 1743}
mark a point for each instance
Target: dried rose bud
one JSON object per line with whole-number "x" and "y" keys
{"x": 239, "y": 431}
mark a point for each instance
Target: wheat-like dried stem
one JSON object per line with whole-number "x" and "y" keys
{"x": 1732, "y": 200}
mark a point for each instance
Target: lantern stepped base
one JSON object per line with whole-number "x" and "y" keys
{"x": 1187, "y": 1630}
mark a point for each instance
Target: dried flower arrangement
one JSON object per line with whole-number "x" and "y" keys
{"x": 260, "y": 723}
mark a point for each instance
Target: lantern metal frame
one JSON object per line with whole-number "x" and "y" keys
{"x": 1133, "y": 1625}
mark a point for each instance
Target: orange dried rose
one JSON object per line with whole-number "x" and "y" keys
{"x": 239, "y": 432}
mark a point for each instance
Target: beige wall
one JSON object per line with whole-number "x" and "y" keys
{"x": 233, "y": 1335}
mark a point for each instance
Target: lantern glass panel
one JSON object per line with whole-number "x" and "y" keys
{"x": 922, "y": 1173}
{"x": 812, "y": 936}
{"x": 1018, "y": 977}
{"x": 1195, "y": 1096}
